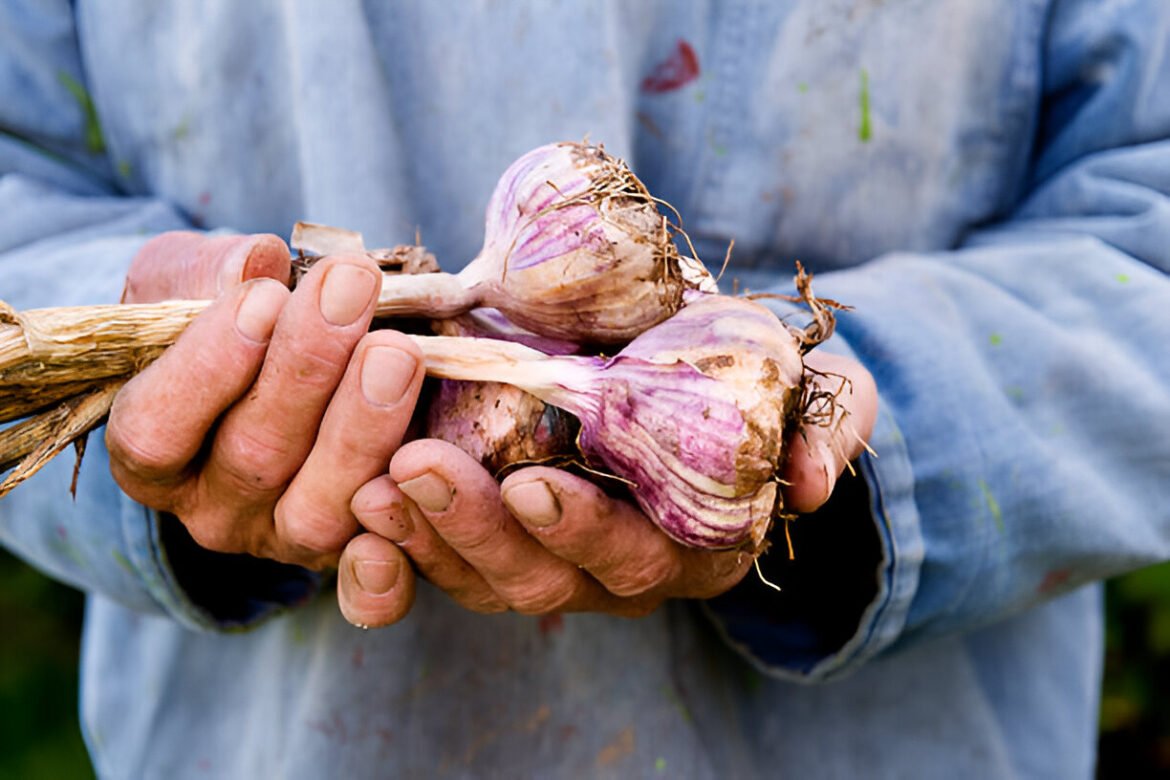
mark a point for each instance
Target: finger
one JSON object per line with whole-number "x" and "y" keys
{"x": 810, "y": 472}
{"x": 263, "y": 440}
{"x": 362, "y": 427}
{"x": 160, "y": 419}
{"x": 381, "y": 507}
{"x": 375, "y": 586}
{"x": 190, "y": 265}
{"x": 475, "y": 523}
{"x": 613, "y": 540}
{"x": 820, "y": 451}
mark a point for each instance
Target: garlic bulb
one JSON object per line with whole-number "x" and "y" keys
{"x": 694, "y": 413}
{"x": 574, "y": 248}
{"x": 499, "y": 425}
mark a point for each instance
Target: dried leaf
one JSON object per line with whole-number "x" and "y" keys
{"x": 405, "y": 259}
{"x": 34, "y": 442}
{"x": 60, "y": 345}
{"x": 323, "y": 240}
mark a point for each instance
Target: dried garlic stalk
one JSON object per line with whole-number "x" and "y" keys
{"x": 64, "y": 365}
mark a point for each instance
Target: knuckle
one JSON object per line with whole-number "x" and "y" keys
{"x": 199, "y": 364}
{"x": 304, "y": 526}
{"x": 542, "y": 596}
{"x": 318, "y": 364}
{"x": 252, "y": 458}
{"x": 717, "y": 573}
{"x": 481, "y": 535}
{"x": 636, "y": 579}
{"x": 215, "y": 533}
{"x": 480, "y": 601}
{"x": 140, "y": 454}
{"x": 370, "y": 443}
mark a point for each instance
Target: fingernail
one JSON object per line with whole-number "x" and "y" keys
{"x": 429, "y": 491}
{"x": 345, "y": 293}
{"x": 533, "y": 503}
{"x": 386, "y": 374}
{"x": 257, "y": 313}
{"x": 375, "y": 577}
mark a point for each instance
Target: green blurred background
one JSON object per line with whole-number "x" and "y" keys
{"x": 39, "y": 735}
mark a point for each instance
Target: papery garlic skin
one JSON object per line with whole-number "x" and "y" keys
{"x": 499, "y": 425}
{"x": 575, "y": 248}
{"x": 705, "y": 401}
{"x": 694, "y": 414}
{"x": 493, "y": 324}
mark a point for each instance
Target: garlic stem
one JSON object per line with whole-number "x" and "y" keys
{"x": 73, "y": 343}
{"x": 435, "y": 296}
{"x": 563, "y": 381}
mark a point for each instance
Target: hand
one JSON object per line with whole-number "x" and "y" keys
{"x": 818, "y": 453}
{"x": 546, "y": 541}
{"x": 256, "y": 428}
{"x": 543, "y": 541}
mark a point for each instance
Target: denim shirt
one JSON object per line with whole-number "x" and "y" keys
{"x": 985, "y": 182}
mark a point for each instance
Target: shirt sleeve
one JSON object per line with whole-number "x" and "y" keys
{"x": 67, "y": 235}
{"x": 1023, "y": 438}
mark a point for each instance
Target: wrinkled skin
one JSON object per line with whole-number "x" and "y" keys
{"x": 546, "y": 541}
{"x": 257, "y": 427}
{"x": 255, "y": 432}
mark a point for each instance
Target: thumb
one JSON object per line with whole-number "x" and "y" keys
{"x": 195, "y": 266}
{"x": 820, "y": 450}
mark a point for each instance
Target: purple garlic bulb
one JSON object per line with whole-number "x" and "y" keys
{"x": 694, "y": 414}
{"x": 575, "y": 248}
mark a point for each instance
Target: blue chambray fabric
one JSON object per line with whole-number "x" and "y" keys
{"x": 986, "y": 182}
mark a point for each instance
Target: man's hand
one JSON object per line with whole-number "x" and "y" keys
{"x": 258, "y": 426}
{"x": 817, "y": 454}
{"x": 546, "y": 541}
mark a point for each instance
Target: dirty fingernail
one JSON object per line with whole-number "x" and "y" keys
{"x": 386, "y": 374}
{"x": 375, "y": 577}
{"x": 428, "y": 490}
{"x": 257, "y": 313}
{"x": 534, "y": 503}
{"x": 345, "y": 293}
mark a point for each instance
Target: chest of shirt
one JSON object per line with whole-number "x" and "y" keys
{"x": 826, "y": 131}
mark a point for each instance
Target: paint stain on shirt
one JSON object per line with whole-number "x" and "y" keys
{"x": 680, "y": 68}
{"x": 992, "y": 505}
{"x": 865, "y": 129}
{"x": 95, "y": 143}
